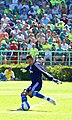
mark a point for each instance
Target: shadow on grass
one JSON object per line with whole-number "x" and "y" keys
{"x": 31, "y": 110}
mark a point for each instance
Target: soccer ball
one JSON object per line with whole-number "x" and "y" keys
{"x": 25, "y": 106}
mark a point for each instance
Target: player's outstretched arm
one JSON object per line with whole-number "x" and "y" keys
{"x": 47, "y": 75}
{"x": 57, "y": 81}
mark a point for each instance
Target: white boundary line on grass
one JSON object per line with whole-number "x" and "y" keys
{"x": 38, "y": 104}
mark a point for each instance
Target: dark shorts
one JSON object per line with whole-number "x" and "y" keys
{"x": 34, "y": 87}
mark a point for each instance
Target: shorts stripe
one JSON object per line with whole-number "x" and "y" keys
{"x": 33, "y": 88}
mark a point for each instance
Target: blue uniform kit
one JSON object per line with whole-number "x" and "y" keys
{"x": 36, "y": 71}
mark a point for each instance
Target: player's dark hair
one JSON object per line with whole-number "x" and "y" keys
{"x": 29, "y": 56}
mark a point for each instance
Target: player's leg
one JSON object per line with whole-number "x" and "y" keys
{"x": 35, "y": 92}
{"x": 23, "y": 98}
{"x": 25, "y": 93}
{"x": 39, "y": 95}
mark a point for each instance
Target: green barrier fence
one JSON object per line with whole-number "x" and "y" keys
{"x": 49, "y": 57}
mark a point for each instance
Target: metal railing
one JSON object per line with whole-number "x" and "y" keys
{"x": 48, "y": 57}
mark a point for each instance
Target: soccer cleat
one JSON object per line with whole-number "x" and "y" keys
{"x": 51, "y": 100}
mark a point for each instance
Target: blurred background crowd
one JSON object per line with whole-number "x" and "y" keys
{"x": 35, "y": 26}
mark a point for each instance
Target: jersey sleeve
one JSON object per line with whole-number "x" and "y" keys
{"x": 5, "y": 72}
{"x": 13, "y": 76}
{"x": 43, "y": 71}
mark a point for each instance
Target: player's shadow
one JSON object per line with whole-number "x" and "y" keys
{"x": 40, "y": 111}
{"x": 31, "y": 110}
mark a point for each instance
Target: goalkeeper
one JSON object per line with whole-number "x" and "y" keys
{"x": 36, "y": 71}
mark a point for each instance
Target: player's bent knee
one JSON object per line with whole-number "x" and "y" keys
{"x": 30, "y": 94}
{"x": 24, "y": 92}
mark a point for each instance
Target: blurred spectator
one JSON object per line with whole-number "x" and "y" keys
{"x": 19, "y": 25}
{"x": 67, "y": 29}
{"x": 58, "y": 40}
{"x": 70, "y": 35}
{"x": 64, "y": 45}
{"x": 59, "y": 55}
{"x": 49, "y": 14}
{"x": 39, "y": 45}
{"x": 15, "y": 31}
{"x": 55, "y": 19}
{"x": 32, "y": 38}
{"x": 14, "y": 47}
{"x": 55, "y": 43}
{"x": 61, "y": 25}
{"x": 48, "y": 34}
{"x": 12, "y": 37}
{"x": 3, "y": 35}
{"x": 24, "y": 53}
{"x": 70, "y": 15}
{"x": 50, "y": 39}
{"x": 24, "y": 16}
{"x": 41, "y": 39}
{"x": 67, "y": 39}
{"x": 46, "y": 46}
{"x": 7, "y": 75}
{"x": 29, "y": 44}
{"x": 29, "y": 20}
{"x": 35, "y": 7}
{"x": 64, "y": 19}
{"x": 8, "y": 29}
{"x": 1, "y": 29}
{"x": 63, "y": 8}
{"x": 34, "y": 51}
{"x": 3, "y": 45}
{"x": 63, "y": 34}
{"x": 55, "y": 10}
{"x": 45, "y": 19}
{"x": 24, "y": 32}
{"x": 11, "y": 23}
{"x": 40, "y": 34}
{"x": 69, "y": 23}
{"x": 32, "y": 12}
{"x": 3, "y": 25}
{"x": 40, "y": 59}
{"x": 53, "y": 2}
{"x": 40, "y": 11}
{"x": 5, "y": 19}
{"x": 20, "y": 35}
{"x": 16, "y": 11}
{"x": 57, "y": 29}
{"x": 7, "y": 10}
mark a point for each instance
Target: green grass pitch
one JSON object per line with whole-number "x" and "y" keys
{"x": 40, "y": 109}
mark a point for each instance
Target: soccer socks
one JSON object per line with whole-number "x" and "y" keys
{"x": 23, "y": 98}
{"x": 39, "y": 95}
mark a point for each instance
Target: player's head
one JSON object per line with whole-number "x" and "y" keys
{"x": 30, "y": 59}
{"x": 9, "y": 68}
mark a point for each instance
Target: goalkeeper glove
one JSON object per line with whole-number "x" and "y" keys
{"x": 57, "y": 81}
{"x": 23, "y": 70}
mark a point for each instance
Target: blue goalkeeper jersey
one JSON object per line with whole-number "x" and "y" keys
{"x": 36, "y": 71}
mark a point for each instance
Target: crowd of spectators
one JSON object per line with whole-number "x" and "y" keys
{"x": 35, "y": 26}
